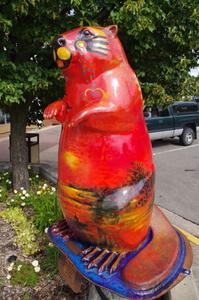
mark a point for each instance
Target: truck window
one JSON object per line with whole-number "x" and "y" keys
{"x": 163, "y": 112}
{"x": 150, "y": 112}
{"x": 184, "y": 109}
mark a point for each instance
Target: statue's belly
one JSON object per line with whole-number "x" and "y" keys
{"x": 92, "y": 160}
{"x": 93, "y": 166}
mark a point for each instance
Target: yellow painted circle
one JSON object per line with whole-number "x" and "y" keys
{"x": 63, "y": 53}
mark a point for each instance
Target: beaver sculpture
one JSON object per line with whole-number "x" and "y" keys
{"x": 105, "y": 161}
{"x": 105, "y": 166}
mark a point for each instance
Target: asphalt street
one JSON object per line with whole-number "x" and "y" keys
{"x": 177, "y": 178}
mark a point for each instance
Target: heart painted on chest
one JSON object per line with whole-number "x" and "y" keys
{"x": 94, "y": 94}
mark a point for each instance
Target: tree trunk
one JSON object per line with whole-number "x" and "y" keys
{"x": 19, "y": 153}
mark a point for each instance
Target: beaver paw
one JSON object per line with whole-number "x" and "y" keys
{"x": 56, "y": 109}
{"x": 102, "y": 259}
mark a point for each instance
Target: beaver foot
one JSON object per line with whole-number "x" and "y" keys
{"x": 102, "y": 259}
{"x": 93, "y": 256}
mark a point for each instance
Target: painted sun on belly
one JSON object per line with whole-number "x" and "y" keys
{"x": 71, "y": 159}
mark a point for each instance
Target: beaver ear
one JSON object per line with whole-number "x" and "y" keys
{"x": 113, "y": 29}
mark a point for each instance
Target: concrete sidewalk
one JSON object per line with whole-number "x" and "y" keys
{"x": 188, "y": 289}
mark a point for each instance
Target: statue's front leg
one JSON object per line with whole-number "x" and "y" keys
{"x": 57, "y": 109}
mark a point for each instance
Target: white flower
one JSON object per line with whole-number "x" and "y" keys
{"x": 29, "y": 167}
{"x": 0, "y": 195}
{"x": 50, "y": 245}
{"x": 10, "y": 268}
{"x": 12, "y": 200}
{"x": 45, "y": 186}
{"x": 37, "y": 176}
{"x": 8, "y": 276}
{"x": 30, "y": 179}
{"x": 19, "y": 267}
{"x": 38, "y": 192}
{"x": 15, "y": 191}
{"x": 46, "y": 230}
{"x": 9, "y": 182}
{"x": 23, "y": 204}
{"x": 12, "y": 264}
{"x": 22, "y": 198}
{"x": 53, "y": 189}
{"x": 37, "y": 269}
{"x": 22, "y": 188}
{"x": 24, "y": 192}
{"x": 35, "y": 263}
{"x": 27, "y": 195}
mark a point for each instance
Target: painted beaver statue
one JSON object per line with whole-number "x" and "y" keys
{"x": 105, "y": 161}
{"x": 105, "y": 167}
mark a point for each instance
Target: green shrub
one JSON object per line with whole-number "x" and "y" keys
{"x": 5, "y": 180}
{"x": 25, "y": 276}
{"x": 41, "y": 197}
{"x": 3, "y": 194}
{"x": 45, "y": 206}
{"x": 25, "y": 230}
{"x": 49, "y": 262}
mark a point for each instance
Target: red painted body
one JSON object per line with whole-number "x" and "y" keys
{"x": 106, "y": 170}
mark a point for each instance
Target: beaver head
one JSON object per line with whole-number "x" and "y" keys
{"x": 98, "y": 45}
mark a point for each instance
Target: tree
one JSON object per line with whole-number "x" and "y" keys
{"x": 27, "y": 71}
{"x": 164, "y": 41}
{"x": 161, "y": 39}
{"x": 190, "y": 88}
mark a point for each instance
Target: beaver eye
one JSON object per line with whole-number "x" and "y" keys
{"x": 87, "y": 33}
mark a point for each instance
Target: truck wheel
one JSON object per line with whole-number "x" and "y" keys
{"x": 187, "y": 136}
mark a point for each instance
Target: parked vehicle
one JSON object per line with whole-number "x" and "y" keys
{"x": 196, "y": 99}
{"x": 180, "y": 119}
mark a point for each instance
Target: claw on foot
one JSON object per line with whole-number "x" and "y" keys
{"x": 102, "y": 259}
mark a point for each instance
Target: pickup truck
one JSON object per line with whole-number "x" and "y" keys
{"x": 180, "y": 119}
